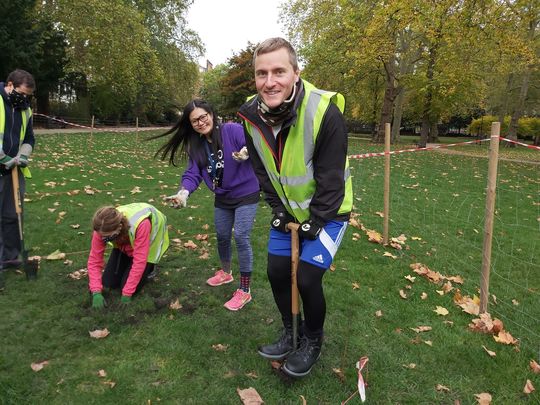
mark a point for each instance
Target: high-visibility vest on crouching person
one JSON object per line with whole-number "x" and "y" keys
{"x": 25, "y": 117}
{"x": 294, "y": 183}
{"x": 159, "y": 237}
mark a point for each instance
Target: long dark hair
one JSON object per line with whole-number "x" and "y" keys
{"x": 186, "y": 140}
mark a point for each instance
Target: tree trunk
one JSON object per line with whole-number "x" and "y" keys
{"x": 427, "y": 119}
{"x": 375, "y": 108}
{"x": 520, "y": 105}
{"x": 507, "y": 96}
{"x": 390, "y": 93}
{"x": 524, "y": 89}
{"x": 433, "y": 132}
{"x": 398, "y": 114}
{"x": 386, "y": 112}
{"x": 42, "y": 102}
{"x": 424, "y": 131}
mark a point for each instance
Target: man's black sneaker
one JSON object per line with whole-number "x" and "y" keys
{"x": 300, "y": 362}
{"x": 279, "y": 349}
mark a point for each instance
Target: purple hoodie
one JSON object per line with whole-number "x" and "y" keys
{"x": 239, "y": 180}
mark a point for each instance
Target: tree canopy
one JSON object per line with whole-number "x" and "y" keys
{"x": 428, "y": 61}
{"x": 117, "y": 58}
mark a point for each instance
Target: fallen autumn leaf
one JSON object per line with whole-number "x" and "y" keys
{"x": 250, "y": 396}
{"x": 99, "y": 333}
{"x": 39, "y": 366}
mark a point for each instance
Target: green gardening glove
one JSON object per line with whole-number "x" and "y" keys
{"x": 98, "y": 302}
{"x": 126, "y": 299}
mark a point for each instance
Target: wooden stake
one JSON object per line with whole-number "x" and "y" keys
{"x": 489, "y": 214}
{"x": 92, "y": 132}
{"x": 387, "y": 133}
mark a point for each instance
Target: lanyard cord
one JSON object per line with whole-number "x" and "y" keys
{"x": 211, "y": 161}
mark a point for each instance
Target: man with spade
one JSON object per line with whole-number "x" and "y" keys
{"x": 16, "y": 145}
{"x": 297, "y": 141}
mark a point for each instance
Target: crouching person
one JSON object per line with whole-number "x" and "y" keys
{"x": 139, "y": 237}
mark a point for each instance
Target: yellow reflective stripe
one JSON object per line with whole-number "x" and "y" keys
{"x": 2, "y": 121}
{"x": 298, "y": 180}
{"x": 25, "y": 117}
{"x": 302, "y": 205}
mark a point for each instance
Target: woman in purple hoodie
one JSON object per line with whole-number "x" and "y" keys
{"x": 218, "y": 156}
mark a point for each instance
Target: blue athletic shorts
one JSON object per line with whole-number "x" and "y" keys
{"x": 319, "y": 252}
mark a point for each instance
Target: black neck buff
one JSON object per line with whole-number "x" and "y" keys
{"x": 19, "y": 100}
{"x": 276, "y": 116}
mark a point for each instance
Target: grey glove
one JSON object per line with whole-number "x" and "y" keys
{"x": 9, "y": 161}
{"x": 179, "y": 199}
{"x": 22, "y": 160}
{"x": 241, "y": 155}
{"x": 24, "y": 152}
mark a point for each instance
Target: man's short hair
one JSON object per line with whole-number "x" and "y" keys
{"x": 273, "y": 44}
{"x": 21, "y": 77}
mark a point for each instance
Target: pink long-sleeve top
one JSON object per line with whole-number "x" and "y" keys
{"x": 139, "y": 253}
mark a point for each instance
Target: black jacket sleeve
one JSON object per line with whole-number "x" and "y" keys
{"x": 329, "y": 159}
{"x": 270, "y": 195}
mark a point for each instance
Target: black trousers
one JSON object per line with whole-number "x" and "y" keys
{"x": 117, "y": 270}
{"x": 309, "y": 280}
{"x": 10, "y": 240}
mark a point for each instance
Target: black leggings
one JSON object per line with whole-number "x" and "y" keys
{"x": 117, "y": 270}
{"x": 309, "y": 279}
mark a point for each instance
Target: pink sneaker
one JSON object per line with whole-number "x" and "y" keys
{"x": 238, "y": 300}
{"x": 219, "y": 278}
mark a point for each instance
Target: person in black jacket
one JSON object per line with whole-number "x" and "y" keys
{"x": 297, "y": 141}
{"x": 16, "y": 145}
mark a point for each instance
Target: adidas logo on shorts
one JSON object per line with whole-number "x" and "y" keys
{"x": 318, "y": 258}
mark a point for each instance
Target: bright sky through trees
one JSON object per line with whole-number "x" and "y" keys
{"x": 225, "y": 27}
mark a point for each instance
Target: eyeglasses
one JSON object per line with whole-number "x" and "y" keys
{"x": 201, "y": 119}
{"x": 110, "y": 238}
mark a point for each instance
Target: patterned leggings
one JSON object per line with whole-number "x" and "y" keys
{"x": 241, "y": 221}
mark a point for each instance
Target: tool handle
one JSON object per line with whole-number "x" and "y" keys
{"x": 295, "y": 253}
{"x": 16, "y": 190}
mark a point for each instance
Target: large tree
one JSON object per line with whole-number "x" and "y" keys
{"x": 434, "y": 58}
{"x": 239, "y": 81}
{"x": 211, "y": 87}
{"x": 134, "y": 57}
{"x": 523, "y": 22}
{"x": 36, "y": 45}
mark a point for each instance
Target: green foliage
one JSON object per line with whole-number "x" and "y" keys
{"x": 227, "y": 86}
{"x": 239, "y": 81}
{"x": 448, "y": 57}
{"x": 528, "y": 127}
{"x": 30, "y": 40}
{"x": 211, "y": 87}
{"x": 119, "y": 59}
{"x": 16, "y": 38}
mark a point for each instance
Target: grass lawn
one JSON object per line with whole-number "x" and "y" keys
{"x": 201, "y": 353}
